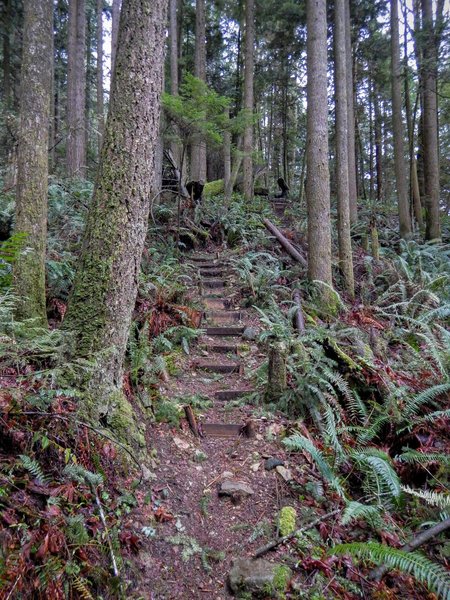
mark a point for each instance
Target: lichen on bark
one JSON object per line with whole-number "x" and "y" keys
{"x": 105, "y": 287}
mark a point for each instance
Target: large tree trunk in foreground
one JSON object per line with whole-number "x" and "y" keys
{"x": 76, "y": 90}
{"x": 104, "y": 293}
{"x": 397, "y": 127}
{"x": 318, "y": 176}
{"x": 198, "y": 149}
{"x": 31, "y": 201}
{"x": 342, "y": 170}
{"x": 248, "y": 96}
{"x": 430, "y": 40}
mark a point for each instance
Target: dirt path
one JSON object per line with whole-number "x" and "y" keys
{"x": 198, "y": 531}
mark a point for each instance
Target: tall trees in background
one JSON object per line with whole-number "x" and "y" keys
{"x": 100, "y": 102}
{"x": 342, "y": 153}
{"x": 76, "y": 90}
{"x": 248, "y": 97}
{"x": 352, "y": 187}
{"x": 31, "y": 197}
{"x": 318, "y": 176}
{"x": 115, "y": 18}
{"x": 397, "y": 127}
{"x": 198, "y": 149}
{"x": 105, "y": 287}
{"x": 431, "y": 40}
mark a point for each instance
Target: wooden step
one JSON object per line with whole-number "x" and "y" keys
{"x": 219, "y": 368}
{"x": 213, "y": 272}
{"x": 231, "y": 394}
{"x": 214, "y": 302}
{"x": 213, "y": 283}
{"x": 225, "y": 330}
{"x": 220, "y": 348}
{"x": 221, "y": 430}
{"x": 222, "y": 316}
{"x": 203, "y": 257}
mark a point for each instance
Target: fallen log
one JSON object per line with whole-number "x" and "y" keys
{"x": 295, "y": 254}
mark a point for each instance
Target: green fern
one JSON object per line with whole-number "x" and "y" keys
{"x": 441, "y": 500}
{"x": 356, "y": 510}
{"x": 421, "y": 568}
{"x": 298, "y": 442}
{"x": 33, "y": 467}
{"x": 423, "y": 458}
{"x": 81, "y": 475}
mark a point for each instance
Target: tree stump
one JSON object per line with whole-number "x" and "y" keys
{"x": 276, "y": 380}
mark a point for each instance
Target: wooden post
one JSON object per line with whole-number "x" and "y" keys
{"x": 276, "y": 381}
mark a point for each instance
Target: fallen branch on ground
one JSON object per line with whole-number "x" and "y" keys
{"x": 421, "y": 538}
{"x": 282, "y": 540}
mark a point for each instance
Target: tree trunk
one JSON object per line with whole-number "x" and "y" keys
{"x": 100, "y": 106}
{"x": 31, "y": 200}
{"x": 198, "y": 149}
{"x": 430, "y": 123}
{"x": 342, "y": 170}
{"x": 76, "y": 90}
{"x": 174, "y": 83}
{"x": 6, "y": 63}
{"x": 105, "y": 287}
{"x": 318, "y": 176}
{"x": 352, "y": 187}
{"x": 248, "y": 97}
{"x": 378, "y": 147}
{"x": 115, "y": 20}
{"x": 226, "y": 155}
{"x": 397, "y": 127}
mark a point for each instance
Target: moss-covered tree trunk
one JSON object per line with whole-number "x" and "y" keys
{"x": 105, "y": 287}
{"x": 31, "y": 200}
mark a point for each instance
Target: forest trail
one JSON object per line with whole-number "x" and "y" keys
{"x": 218, "y": 495}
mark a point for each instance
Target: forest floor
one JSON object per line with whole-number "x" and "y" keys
{"x": 202, "y": 532}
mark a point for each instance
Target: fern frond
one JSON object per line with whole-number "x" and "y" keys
{"x": 82, "y": 475}
{"x": 356, "y": 510}
{"x": 441, "y": 500}
{"x": 423, "y": 458}
{"x": 421, "y": 568}
{"x": 379, "y": 463}
{"x": 33, "y": 467}
{"x": 80, "y": 584}
{"x": 429, "y": 395}
{"x": 298, "y": 442}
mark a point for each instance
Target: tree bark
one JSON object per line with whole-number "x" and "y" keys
{"x": 100, "y": 105}
{"x": 174, "y": 83}
{"x": 226, "y": 155}
{"x": 198, "y": 148}
{"x": 6, "y": 63}
{"x": 352, "y": 186}
{"x": 105, "y": 287}
{"x": 249, "y": 60}
{"x": 76, "y": 90}
{"x": 397, "y": 128}
{"x": 31, "y": 199}
{"x": 342, "y": 168}
{"x": 430, "y": 123}
{"x": 115, "y": 20}
{"x": 318, "y": 176}
{"x": 378, "y": 147}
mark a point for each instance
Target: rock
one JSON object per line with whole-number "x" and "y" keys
{"x": 255, "y": 466}
{"x": 285, "y": 473}
{"x": 227, "y": 475}
{"x": 250, "y": 333}
{"x": 147, "y": 475}
{"x": 181, "y": 444}
{"x": 235, "y": 488}
{"x": 273, "y": 462}
{"x": 257, "y": 576}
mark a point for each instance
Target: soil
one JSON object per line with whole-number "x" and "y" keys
{"x": 188, "y": 472}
